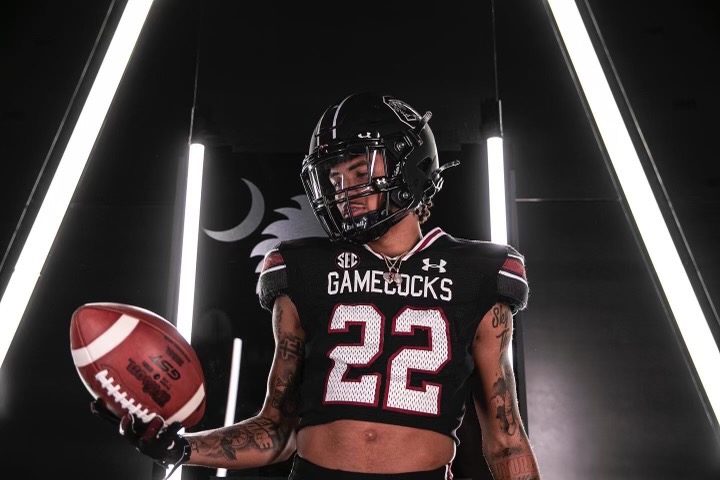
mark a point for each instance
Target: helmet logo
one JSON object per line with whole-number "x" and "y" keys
{"x": 403, "y": 111}
{"x": 347, "y": 260}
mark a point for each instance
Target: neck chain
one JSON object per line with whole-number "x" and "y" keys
{"x": 393, "y": 265}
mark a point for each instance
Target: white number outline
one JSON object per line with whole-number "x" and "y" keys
{"x": 336, "y": 386}
{"x": 335, "y": 383}
{"x": 429, "y": 392}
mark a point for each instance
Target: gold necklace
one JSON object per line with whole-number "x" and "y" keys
{"x": 393, "y": 265}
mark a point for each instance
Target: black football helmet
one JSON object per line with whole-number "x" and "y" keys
{"x": 393, "y": 147}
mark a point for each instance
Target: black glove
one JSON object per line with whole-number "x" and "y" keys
{"x": 154, "y": 439}
{"x": 98, "y": 407}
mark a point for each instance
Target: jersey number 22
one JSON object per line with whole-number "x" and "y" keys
{"x": 399, "y": 395}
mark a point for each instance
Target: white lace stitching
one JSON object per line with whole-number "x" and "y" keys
{"x": 121, "y": 398}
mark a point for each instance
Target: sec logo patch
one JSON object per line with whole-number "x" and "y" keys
{"x": 347, "y": 260}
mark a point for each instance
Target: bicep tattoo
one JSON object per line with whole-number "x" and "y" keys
{"x": 500, "y": 324}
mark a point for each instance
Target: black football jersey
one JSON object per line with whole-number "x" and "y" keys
{"x": 388, "y": 351}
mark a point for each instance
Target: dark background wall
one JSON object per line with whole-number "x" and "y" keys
{"x": 607, "y": 392}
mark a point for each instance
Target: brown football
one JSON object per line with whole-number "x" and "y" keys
{"x": 137, "y": 362}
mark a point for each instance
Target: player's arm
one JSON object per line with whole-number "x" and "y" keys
{"x": 505, "y": 443}
{"x": 268, "y": 437}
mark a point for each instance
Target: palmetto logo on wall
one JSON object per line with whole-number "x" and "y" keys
{"x": 250, "y": 202}
{"x": 299, "y": 222}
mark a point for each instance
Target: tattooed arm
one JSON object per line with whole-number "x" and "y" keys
{"x": 268, "y": 437}
{"x": 505, "y": 443}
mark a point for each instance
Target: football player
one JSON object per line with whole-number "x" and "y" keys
{"x": 381, "y": 329}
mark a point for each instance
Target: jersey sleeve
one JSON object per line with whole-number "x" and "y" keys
{"x": 273, "y": 281}
{"x": 512, "y": 284}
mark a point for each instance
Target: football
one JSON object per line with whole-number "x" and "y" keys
{"x": 137, "y": 362}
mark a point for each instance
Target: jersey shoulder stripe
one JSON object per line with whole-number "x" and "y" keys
{"x": 273, "y": 278}
{"x": 283, "y": 265}
{"x": 512, "y": 283}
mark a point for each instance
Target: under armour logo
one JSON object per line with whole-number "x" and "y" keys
{"x": 440, "y": 266}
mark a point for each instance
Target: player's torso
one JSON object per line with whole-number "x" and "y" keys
{"x": 397, "y": 353}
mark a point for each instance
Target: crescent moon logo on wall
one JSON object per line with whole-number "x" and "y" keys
{"x": 247, "y": 226}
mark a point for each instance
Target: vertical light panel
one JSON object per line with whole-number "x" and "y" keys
{"x": 191, "y": 224}
{"x": 72, "y": 163}
{"x": 188, "y": 257}
{"x": 232, "y": 391}
{"x": 678, "y": 290}
{"x": 498, "y": 199}
{"x": 496, "y": 179}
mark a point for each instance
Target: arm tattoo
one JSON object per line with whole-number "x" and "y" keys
{"x": 260, "y": 433}
{"x": 276, "y": 322}
{"x": 503, "y": 391}
{"x": 285, "y": 385}
{"x": 284, "y": 394}
{"x": 291, "y": 347}
{"x": 500, "y": 319}
{"x": 504, "y": 411}
{"x": 515, "y": 467}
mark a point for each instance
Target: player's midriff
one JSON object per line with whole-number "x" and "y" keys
{"x": 374, "y": 447}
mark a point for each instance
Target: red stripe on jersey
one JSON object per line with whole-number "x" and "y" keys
{"x": 429, "y": 238}
{"x": 273, "y": 259}
{"x": 513, "y": 265}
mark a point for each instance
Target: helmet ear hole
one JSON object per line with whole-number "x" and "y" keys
{"x": 424, "y": 165}
{"x": 401, "y": 197}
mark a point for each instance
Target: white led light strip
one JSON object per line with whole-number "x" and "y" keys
{"x": 676, "y": 285}
{"x": 232, "y": 391}
{"x": 496, "y": 185}
{"x": 191, "y": 224}
{"x": 57, "y": 199}
{"x": 188, "y": 261}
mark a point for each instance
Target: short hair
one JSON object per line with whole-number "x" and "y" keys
{"x": 423, "y": 210}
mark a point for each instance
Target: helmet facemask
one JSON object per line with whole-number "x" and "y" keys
{"x": 355, "y": 190}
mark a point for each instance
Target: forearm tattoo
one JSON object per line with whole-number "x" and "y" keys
{"x": 503, "y": 406}
{"x": 284, "y": 385}
{"x": 260, "y": 433}
{"x": 284, "y": 394}
{"x": 514, "y": 464}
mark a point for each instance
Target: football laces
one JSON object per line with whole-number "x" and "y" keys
{"x": 126, "y": 403}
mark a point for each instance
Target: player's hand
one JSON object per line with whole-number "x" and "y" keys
{"x": 156, "y": 440}
{"x": 98, "y": 407}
